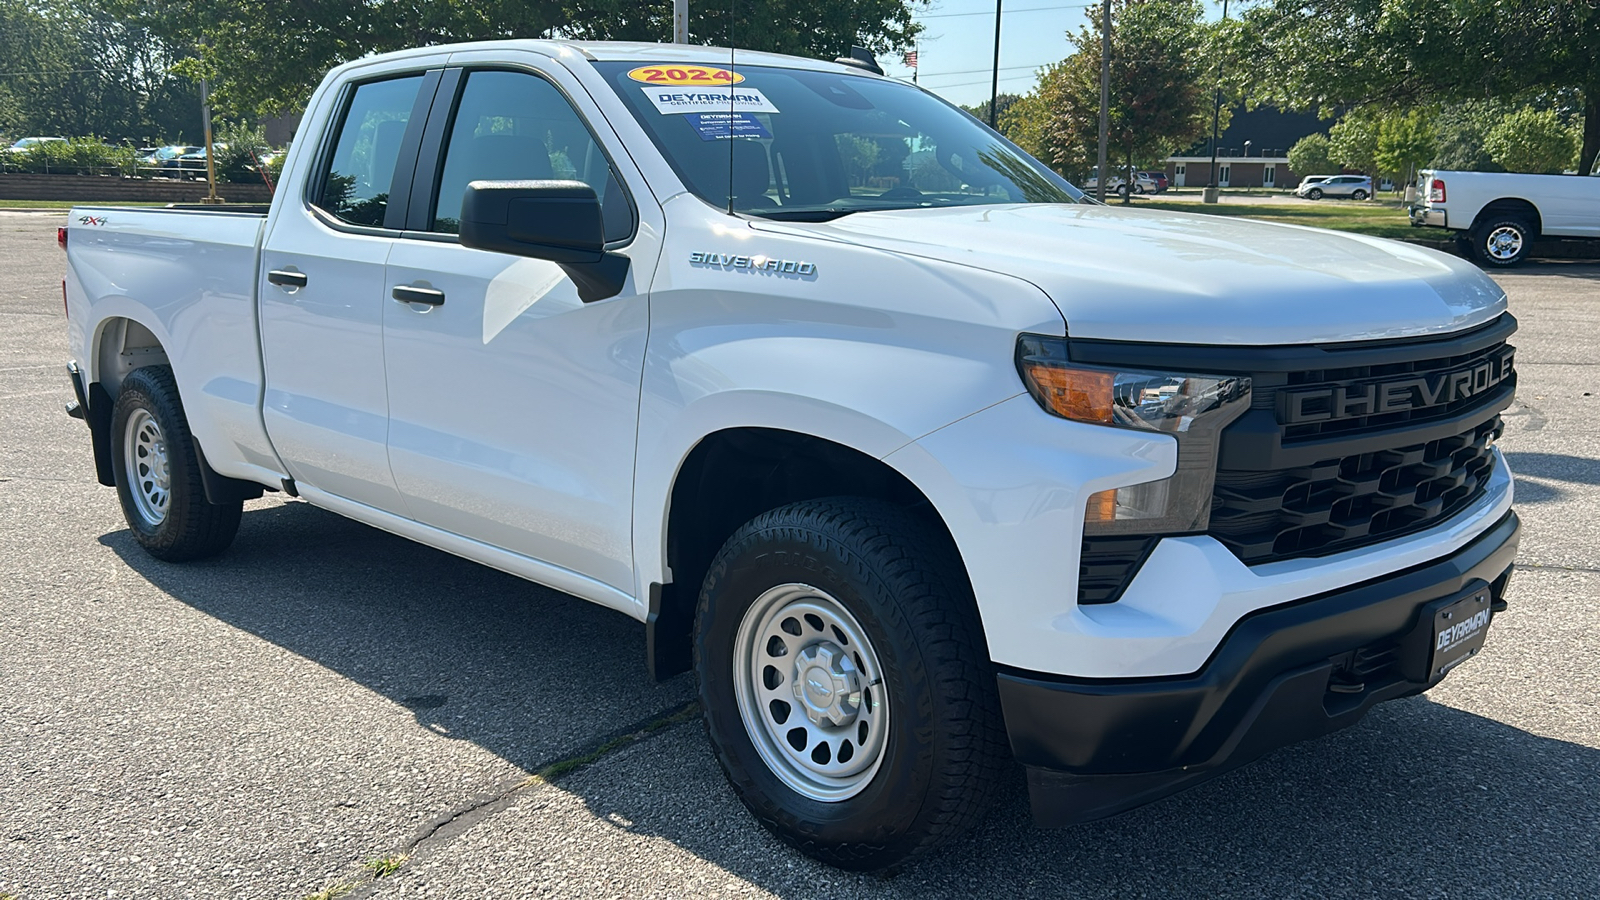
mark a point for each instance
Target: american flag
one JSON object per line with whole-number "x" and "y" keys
{"x": 910, "y": 57}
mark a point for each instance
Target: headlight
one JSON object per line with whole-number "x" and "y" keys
{"x": 1192, "y": 408}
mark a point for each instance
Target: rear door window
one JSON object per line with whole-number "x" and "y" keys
{"x": 356, "y": 184}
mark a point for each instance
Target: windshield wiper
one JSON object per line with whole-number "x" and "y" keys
{"x": 804, "y": 215}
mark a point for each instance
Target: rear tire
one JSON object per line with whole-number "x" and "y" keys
{"x": 845, "y": 684}
{"x": 158, "y": 473}
{"x": 1502, "y": 242}
{"x": 1359, "y": 195}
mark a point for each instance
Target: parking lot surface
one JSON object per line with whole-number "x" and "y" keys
{"x": 325, "y": 695}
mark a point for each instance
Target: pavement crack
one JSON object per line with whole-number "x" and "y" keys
{"x": 1550, "y": 567}
{"x": 449, "y": 825}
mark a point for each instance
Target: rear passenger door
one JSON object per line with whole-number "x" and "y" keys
{"x": 322, "y": 289}
{"x": 513, "y": 405}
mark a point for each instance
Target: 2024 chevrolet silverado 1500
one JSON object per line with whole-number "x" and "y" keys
{"x": 1499, "y": 215}
{"x": 907, "y": 448}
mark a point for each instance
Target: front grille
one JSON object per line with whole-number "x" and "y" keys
{"x": 1477, "y": 372}
{"x": 1108, "y": 564}
{"x": 1344, "y": 502}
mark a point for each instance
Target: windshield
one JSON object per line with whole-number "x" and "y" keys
{"x": 806, "y": 145}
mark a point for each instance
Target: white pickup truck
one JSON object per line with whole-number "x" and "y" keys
{"x": 1502, "y": 214}
{"x": 920, "y": 459}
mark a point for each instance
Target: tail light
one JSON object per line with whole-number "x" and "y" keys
{"x": 61, "y": 236}
{"x": 1436, "y": 191}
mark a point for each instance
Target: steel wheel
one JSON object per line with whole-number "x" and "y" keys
{"x": 810, "y": 692}
{"x": 149, "y": 473}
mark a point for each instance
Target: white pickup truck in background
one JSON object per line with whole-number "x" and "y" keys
{"x": 1502, "y": 214}
{"x": 907, "y": 448}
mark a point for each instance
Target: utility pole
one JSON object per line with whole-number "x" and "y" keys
{"x": 994, "y": 84}
{"x": 1210, "y": 195}
{"x": 211, "y": 154}
{"x": 680, "y": 21}
{"x": 1105, "y": 98}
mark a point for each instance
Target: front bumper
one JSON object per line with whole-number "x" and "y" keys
{"x": 1097, "y": 747}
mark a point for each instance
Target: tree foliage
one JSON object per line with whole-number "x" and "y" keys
{"x": 1532, "y": 140}
{"x": 1311, "y": 155}
{"x": 1406, "y": 142}
{"x": 71, "y": 68}
{"x": 1462, "y": 130}
{"x": 1158, "y": 101}
{"x": 265, "y": 57}
{"x": 1331, "y": 54}
{"x": 1353, "y": 140}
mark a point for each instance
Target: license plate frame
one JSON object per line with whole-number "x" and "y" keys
{"x": 1460, "y": 627}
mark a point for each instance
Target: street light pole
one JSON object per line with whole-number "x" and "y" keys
{"x": 994, "y": 84}
{"x": 1105, "y": 98}
{"x": 680, "y": 21}
{"x": 1210, "y": 195}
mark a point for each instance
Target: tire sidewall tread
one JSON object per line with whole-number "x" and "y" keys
{"x": 881, "y": 563}
{"x": 193, "y": 528}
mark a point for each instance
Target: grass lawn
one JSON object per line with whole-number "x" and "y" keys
{"x": 68, "y": 204}
{"x": 1375, "y": 217}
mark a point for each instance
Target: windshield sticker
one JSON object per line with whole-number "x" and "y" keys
{"x": 722, "y": 126}
{"x": 688, "y": 76}
{"x": 677, "y": 101}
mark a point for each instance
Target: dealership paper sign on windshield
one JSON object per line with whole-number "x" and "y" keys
{"x": 710, "y": 99}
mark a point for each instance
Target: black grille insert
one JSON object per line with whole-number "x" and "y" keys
{"x": 1108, "y": 564}
{"x": 1346, "y": 502}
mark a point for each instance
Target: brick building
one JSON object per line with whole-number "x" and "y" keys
{"x": 1252, "y": 152}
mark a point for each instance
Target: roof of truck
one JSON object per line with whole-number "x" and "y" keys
{"x": 641, "y": 51}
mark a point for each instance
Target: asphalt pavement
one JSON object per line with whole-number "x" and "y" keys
{"x": 325, "y": 701}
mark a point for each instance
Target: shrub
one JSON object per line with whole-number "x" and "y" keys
{"x": 78, "y": 156}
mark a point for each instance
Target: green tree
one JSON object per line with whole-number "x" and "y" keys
{"x": 1353, "y": 140}
{"x": 1462, "y": 130}
{"x": 1406, "y": 142}
{"x": 1532, "y": 140}
{"x": 71, "y": 68}
{"x": 1311, "y": 156}
{"x": 1158, "y": 93}
{"x": 1003, "y": 103}
{"x": 1330, "y": 54}
{"x": 265, "y": 57}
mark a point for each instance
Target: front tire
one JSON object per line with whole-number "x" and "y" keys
{"x": 1314, "y": 193}
{"x": 845, "y": 684}
{"x": 158, "y": 473}
{"x": 1502, "y": 242}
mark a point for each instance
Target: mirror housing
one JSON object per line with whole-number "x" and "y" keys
{"x": 557, "y": 221}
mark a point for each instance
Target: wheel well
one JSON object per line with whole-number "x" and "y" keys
{"x": 731, "y": 477}
{"x": 1513, "y": 208}
{"x": 125, "y": 345}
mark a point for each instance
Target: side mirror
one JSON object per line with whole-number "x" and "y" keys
{"x": 557, "y": 221}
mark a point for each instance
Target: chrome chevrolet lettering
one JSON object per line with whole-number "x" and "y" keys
{"x": 752, "y": 263}
{"x": 1374, "y": 398}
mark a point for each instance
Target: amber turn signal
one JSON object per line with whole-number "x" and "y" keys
{"x": 1082, "y": 395}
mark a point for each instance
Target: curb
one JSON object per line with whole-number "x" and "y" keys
{"x": 1553, "y": 248}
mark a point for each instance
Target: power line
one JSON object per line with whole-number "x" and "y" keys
{"x": 985, "y": 69}
{"x": 1009, "y": 11}
{"x": 52, "y": 72}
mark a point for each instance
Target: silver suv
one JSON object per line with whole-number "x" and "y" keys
{"x": 1356, "y": 187}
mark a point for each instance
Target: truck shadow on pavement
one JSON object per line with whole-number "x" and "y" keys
{"x": 1534, "y": 471}
{"x": 1420, "y": 799}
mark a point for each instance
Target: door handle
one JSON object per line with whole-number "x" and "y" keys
{"x": 408, "y": 294}
{"x": 286, "y": 279}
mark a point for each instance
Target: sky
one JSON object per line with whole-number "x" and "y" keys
{"x": 956, "y": 51}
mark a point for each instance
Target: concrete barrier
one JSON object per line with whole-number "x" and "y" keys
{"x": 90, "y": 188}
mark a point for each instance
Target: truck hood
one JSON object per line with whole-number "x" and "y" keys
{"x": 1167, "y": 277}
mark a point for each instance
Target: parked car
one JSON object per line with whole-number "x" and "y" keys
{"x": 167, "y": 157}
{"x": 1150, "y": 182}
{"x": 28, "y": 143}
{"x": 1115, "y": 185}
{"x": 923, "y": 483}
{"x": 1356, "y": 187}
{"x": 1501, "y": 214}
